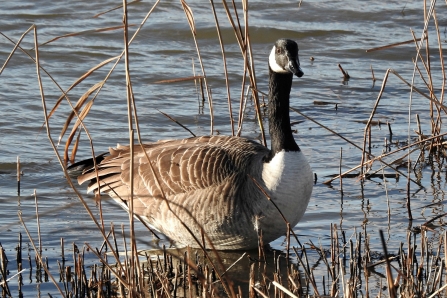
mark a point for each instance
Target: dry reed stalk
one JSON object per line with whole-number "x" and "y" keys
{"x": 306, "y": 270}
{"x": 38, "y": 223}
{"x": 432, "y": 96}
{"x": 82, "y": 99}
{"x": 188, "y": 269}
{"x": 438, "y": 121}
{"x": 441, "y": 58}
{"x": 431, "y": 100}
{"x": 117, "y": 58}
{"x": 430, "y": 80}
{"x": 342, "y": 279}
{"x": 251, "y": 70}
{"x": 234, "y": 263}
{"x": 427, "y": 16}
{"x": 74, "y": 150}
{"x": 428, "y": 84}
{"x": 372, "y": 73}
{"x": 322, "y": 254}
{"x": 20, "y": 262}
{"x": 38, "y": 256}
{"x": 346, "y": 76}
{"x": 397, "y": 161}
{"x": 288, "y": 247}
{"x": 134, "y": 264}
{"x": 257, "y": 291}
{"x": 176, "y": 122}
{"x": 115, "y": 8}
{"x": 54, "y": 147}
{"x": 333, "y": 288}
{"x": 3, "y": 272}
{"x": 15, "y": 47}
{"x": 387, "y": 154}
{"x": 368, "y": 125}
{"x": 238, "y": 33}
{"x": 82, "y": 33}
{"x": 128, "y": 265}
{"x": 387, "y": 198}
{"x": 285, "y": 290}
{"x": 18, "y": 175}
{"x": 190, "y": 18}
{"x": 440, "y": 105}
{"x": 370, "y": 161}
{"x": 251, "y": 282}
{"x": 242, "y": 105}
{"x": 366, "y": 261}
{"x": 242, "y": 102}
{"x": 191, "y": 78}
{"x": 391, "y": 45}
{"x": 81, "y": 114}
{"x": 46, "y": 117}
{"x": 243, "y": 39}
{"x": 121, "y": 268}
{"x": 224, "y": 60}
{"x": 339, "y": 172}
{"x": 48, "y": 127}
{"x": 336, "y": 259}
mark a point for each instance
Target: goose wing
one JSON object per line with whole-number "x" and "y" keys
{"x": 178, "y": 166}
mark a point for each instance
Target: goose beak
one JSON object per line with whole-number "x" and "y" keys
{"x": 294, "y": 67}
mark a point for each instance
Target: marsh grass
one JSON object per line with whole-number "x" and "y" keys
{"x": 416, "y": 270}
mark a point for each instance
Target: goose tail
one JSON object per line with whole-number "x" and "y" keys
{"x": 77, "y": 169}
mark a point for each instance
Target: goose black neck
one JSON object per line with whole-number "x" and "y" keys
{"x": 281, "y": 135}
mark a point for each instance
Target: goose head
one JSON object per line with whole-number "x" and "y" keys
{"x": 284, "y": 58}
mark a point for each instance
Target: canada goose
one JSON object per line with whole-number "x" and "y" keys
{"x": 208, "y": 181}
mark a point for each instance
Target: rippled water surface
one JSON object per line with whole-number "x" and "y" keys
{"x": 331, "y": 32}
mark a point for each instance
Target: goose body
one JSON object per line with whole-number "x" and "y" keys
{"x": 207, "y": 182}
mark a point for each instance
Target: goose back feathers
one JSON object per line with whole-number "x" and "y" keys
{"x": 206, "y": 182}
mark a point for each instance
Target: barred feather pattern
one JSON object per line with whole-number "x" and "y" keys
{"x": 200, "y": 178}
{"x": 204, "y": 185}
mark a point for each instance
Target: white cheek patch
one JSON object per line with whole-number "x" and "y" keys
{"x": 272, "y": 62}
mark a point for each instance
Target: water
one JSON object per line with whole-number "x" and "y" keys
{"x": 330, "y": 32}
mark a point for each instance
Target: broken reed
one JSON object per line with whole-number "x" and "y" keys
{"x": 423, "y": 69}
{"x": 430, "y": 145}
